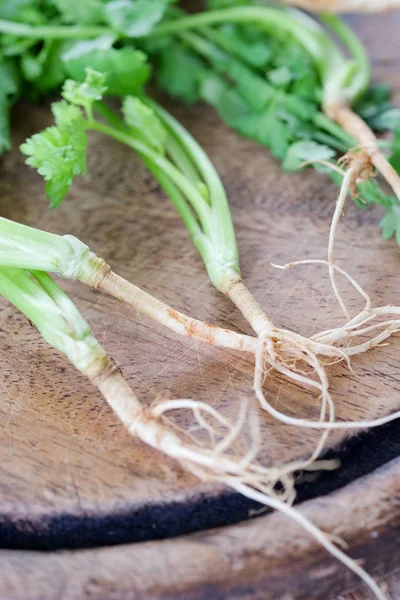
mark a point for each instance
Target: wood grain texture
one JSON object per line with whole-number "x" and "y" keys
{"x": 63, "y": 454}
{"x": 264, "y": 559}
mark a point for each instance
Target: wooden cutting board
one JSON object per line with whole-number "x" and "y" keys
{"x": 75, "y": 484}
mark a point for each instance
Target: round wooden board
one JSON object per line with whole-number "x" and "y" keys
{"x": 71, "y": 477}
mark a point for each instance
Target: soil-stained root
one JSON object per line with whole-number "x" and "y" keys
{"x": 371, "y": 321}
{"x": 359, "y": 130}
{"x": 221, "y": 458}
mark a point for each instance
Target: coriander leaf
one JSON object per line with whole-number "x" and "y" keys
{"x": 388, "y": 119}
{"x": 9, "y": 87}
{"x": 86, "y": 92}
{"x": 395, "y": 158}
{"x": 232, "y": 38}
{"x": 179, "y": 72}
{"x": 18, "y": 10}
{"x": 44, "y": 70}
{"x": 9, "y": 79}
{"x": 59, "y": 152}
{"x": 228, "y": 103}
{"x": 374, "y": 101}
{"x": 65, "y": 114}
{"x": 31, "y": 67}
{"x": 12, "y": 46}
{"x": 135, "y": 18}
{"x": 255, "y": 90}
{"x": 126, "y": 69}
{"x": 369, "y": 191}
{"x": 291, "y": 55}
{"x": 217, "y": 4}
{"x": 280, "y": 76}
{"x": 144, "y": 123}
{"x": 268, "y": 129}
{"x": 82, "y": 48}
{"x": 304, "y": 151}
{"x": 82, "y": 12}
{"x": 307, "y": 88}
{"x": 390, "y": 223}
{"x": 5, "y": 143}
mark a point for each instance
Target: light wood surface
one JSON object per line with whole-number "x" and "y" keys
{"x": 71, "y": 476}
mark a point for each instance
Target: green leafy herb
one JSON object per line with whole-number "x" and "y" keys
{"x": 87, "y": 92}
{"x": 81, "y": 11}
{"x": 306, "y": 151}
{"x": 135, "y": 18}
{"x": 395, "y": 158}
{"x": 127, "y": 69}
{"x": 173, "y": 61}
{"x": 9, "y": 87}
{"x": 390, "y": 223}
{"x": 59, "y": 152}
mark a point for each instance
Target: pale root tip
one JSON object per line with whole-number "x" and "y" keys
{"x": 282, "y": 267}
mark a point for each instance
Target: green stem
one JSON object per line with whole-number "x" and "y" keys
{"x": 319, "y": 45}
{"x": 26, "y": 294}
{"x": 327, "y": 139}
{"x": 218, "y": 253}
{"x": 28, "y": 248}
{"x": 110, "y": 115}
{"x": 169, "y": 187}
{"x": 344, "y": 140}
{"x": 51, "y": 31}
{"x": 334, "y": 129}
{"x": 187, "y": 188}
{"x": 181, "y": 160}
{"x": 362, "y": 76}
{"x": 184, "y": 210}
{"x": 59, "y": 297}
{"x": 54, "y": 314}
{"x": 223, "y": 231}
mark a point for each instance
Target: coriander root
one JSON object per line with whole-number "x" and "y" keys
{"x": 365, "y": 322}
{"x": 187, "y": 175}
{"x": 28, "y": 248}
{"x": 222, "y": 460}
{"x": 356, "y": 127}
{"x": 178, "y": 322}
{"x": 242, "y": 474}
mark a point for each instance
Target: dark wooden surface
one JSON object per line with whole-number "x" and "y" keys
{"x": 67, "y": 467}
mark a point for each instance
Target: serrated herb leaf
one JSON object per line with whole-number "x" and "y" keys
{"x": 9, "y": 87}
{"x": 82, "y": 48}
{"x": 45, "y": 69}
{"x": 305, "y": 151}
{"x": 17, "y": 10}
{"x": 179, "y": 73}
{"x": 65, "y": 114}
{"x": 127, "y": 70}
{"x": 390, "y": 223}
{"x": 87, "y": 92}
{"x": 9, "y": 79}
{"x": 81, "y": 11}
{"x": 268, "y": 129}
{"x": 229, "y": 105}
{"x": 388, "y": 119}
{"x": 280, "y": 76}
{"x": 135, "y": 18}
{"x": 59, "y": 152}
{"x": 253, "y": 50}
